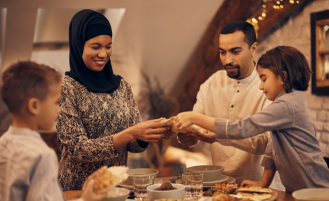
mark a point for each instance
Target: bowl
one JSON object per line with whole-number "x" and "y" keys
{"x": 210, "y": 172}
{"x": 140, "y": 172}
{"x": 117, "y": 194}
{"x": 178, "y": 193}
{"x": 309, "y": 194}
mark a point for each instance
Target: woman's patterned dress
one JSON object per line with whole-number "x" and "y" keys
{"x": 86, "y": 125}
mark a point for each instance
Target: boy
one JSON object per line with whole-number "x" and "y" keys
{"x": 28, "y": 167}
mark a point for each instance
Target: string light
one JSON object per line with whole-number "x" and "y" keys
{"x": 277, "y": 4}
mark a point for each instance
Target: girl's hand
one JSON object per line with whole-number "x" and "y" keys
{"x": 253, "y": 183}
{"x": 150, "y": 131}
{"x": 184, "y": 119}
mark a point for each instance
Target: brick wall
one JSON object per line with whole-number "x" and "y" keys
{"x": 296, "y": 33}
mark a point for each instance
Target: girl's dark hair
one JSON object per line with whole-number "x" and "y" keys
{"x": 290, "y": 60}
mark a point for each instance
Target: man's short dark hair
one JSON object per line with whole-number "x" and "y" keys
{"x": 247, "y": 29}
{"x": 25, "y": 80}
{"x": 290, "y": 60}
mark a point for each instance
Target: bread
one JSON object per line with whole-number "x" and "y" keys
{"x": 256, "y": 193}
{"x": 168, "y": 199}
{"x": 255, "y": 196}
{"x": 107, "y": 178}
{"x": 254, "y": 189}
{"x": 226, "y": 197}
{"x": 193, "y": 128}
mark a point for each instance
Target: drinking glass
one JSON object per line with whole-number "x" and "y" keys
{"x": 193, "y": 182}
{"x": 140, "y": 185}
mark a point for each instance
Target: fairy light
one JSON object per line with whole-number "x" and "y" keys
{"x": 277, "y": 5}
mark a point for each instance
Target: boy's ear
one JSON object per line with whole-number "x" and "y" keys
{"x": 33, "y": 106}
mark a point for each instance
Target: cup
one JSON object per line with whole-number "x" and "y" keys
{"x": 193, "y": 182}
{"x": 140, "y": 185}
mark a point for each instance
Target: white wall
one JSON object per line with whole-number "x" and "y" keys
{"x": 159, "y": 36}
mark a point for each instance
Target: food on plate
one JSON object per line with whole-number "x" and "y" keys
{"x": 226, "y": 197}
{"x": 165, "y": 187}
{"x": 193, "y": 128}
{"x": 168, "y": 199}
{"x": 256, "y": 193}
{"x": 225, "y": 188}
{"x": 107, "y": 178}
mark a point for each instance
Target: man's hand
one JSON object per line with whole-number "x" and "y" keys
{"x": 253, "y": 183}
{"x": 187, "y": 139}
{"x": 209, "y": 137}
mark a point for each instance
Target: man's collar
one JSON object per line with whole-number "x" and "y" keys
{"x": 248, "y": 79}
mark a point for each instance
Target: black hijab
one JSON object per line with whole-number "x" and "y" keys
{"x": 102, "y": 81}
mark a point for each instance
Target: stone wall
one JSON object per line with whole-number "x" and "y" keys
{"x": 296, "y": 32}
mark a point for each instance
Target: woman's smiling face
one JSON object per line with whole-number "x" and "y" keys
{"x": 97, "y": 52}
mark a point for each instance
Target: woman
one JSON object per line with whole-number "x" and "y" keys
{"x": 99, "y": 119}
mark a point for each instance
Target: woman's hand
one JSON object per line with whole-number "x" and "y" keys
{"x": 88, "y": 192}
{"x": 184, "y": 119}
{"x": 253, "y": 183}
{"x": 150, "y": 131}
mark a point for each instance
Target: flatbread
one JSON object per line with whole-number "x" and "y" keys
{"x": 193, "y": 128}
{"x": 254, "y": 190}
{"x": 107, "y": 178}
{"x": 255, "y": 196}
{"x": 226, "y": 197}
{"x": 168, "y": 199}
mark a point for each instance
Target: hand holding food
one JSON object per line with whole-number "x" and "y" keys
{"x": 88, "y": 193}
{"x": 190, "y": 128}
{"x": 150, "y": 131}
{"x": 248, "y": 183}
{"x": 107, "y": 178}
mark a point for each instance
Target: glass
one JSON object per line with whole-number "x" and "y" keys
{"x": 140, "y": 185}
{"x": 193, "y": 182}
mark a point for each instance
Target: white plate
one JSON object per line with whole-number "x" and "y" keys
{"x": 221, "y": 178}
{"x": 127, "y": 186}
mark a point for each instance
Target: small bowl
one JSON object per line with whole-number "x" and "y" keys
{"x": 117, "y": 194}
{"x": 178, "y": 193}
{"x": 140, "y": 172}
{"x": 311, "y": 194}
{"x": 210, "y": 172}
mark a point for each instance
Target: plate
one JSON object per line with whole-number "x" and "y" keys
{"x": 272, "y": 198}
{"x": 220, "y": 179}
{"x": 127, "y": 186}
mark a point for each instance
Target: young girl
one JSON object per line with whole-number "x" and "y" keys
{"x": 293, "y": 151}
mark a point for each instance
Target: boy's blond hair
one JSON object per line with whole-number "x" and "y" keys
{"x": 25, "y": 80}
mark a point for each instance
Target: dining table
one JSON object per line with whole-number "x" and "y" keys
{"x": 282, "y": 195}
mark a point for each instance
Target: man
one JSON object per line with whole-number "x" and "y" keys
{"x": 232, "y": 94}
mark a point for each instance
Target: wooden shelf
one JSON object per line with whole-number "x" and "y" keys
{"x": 324, "y": 52}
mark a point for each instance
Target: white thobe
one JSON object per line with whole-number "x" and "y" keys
{"x": 224, "y": 97}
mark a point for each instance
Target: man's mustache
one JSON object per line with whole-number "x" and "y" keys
{"x": 231, "y": 66}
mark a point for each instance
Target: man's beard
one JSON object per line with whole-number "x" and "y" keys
{"x": 233, "y": 73}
